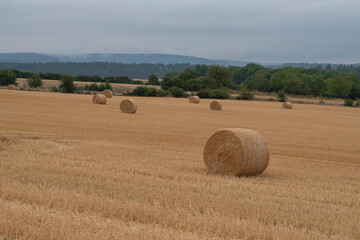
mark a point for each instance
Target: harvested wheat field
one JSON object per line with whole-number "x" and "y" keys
{"x": 70, "y": 169}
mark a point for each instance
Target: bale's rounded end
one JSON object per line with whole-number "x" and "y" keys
{"x": 287, "y": 105}
{"x": 99, "y": 99}
{"x": 11, "y": 87}
{"x": 236, "y": 151}
{"x": 108, "y": 93}
{"x": 216, "y": 105}
{"x": 194, "y": 99}
{"x": 128, "y": 106}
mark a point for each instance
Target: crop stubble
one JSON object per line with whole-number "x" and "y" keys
{"x": 71, "y": 169}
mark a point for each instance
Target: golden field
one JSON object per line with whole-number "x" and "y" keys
{"x": 73, "y": 170}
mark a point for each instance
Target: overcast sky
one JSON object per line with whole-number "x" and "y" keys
{"x": 250, "y": 30}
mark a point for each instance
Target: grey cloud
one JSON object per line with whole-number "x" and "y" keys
{"x": 258, "y": 30}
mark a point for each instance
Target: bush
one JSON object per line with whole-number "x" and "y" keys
{"x": 245, "y": 96}
{"x": 54, "y": 89}
{"x": 204, "y": 93}
{"x": 162, "y": 93}
{"x": 176, "y": 92}
{"x": 7, "y": 77}
{"x": 151, "y": 92}
{"x": 221, "y": 94}
{"x": 67, "y": 84}
{"x": 271, "y": 99}
{"x": 357, "y": 104}
{"x": 217, "y": 93}
{"x": 34, "y": 81}
{"x": 281, "y": 96}
{"x": 348, "y": 103}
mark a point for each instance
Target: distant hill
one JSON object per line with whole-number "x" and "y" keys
{"x": 114, "y": 58}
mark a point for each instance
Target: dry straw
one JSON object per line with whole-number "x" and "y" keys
{"x": 236, "y": 151}
{"x": 194, "y": 99}
{"x": 99, "y": 99}
{"x": 10, "y": 87}
{"x": 216, "y": 105}
{"x": 128, "y": 106}
{"x": 287, "y": 105}
{"x": 108, "y": 93}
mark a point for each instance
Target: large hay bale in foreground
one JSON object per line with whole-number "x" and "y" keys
{"x": 287, "y": 105}
{"x": 236, "y": 151}
{"x": 216, "y": 105}
{"x": 11, "y": 87}
{"x": 108, "y": 93}
{"x": 99, "y": 99}
{"x": 128, "y": 106}
{"x": 194, "y": 99}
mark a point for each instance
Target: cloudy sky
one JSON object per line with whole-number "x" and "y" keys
{"x": 251, "y": 30}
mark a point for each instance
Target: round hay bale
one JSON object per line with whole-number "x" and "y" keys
{"x": 287, "y": 105}
{"x": 128, "y": 106}
{"x": 99, "y": 99}
{"x": 108, "y": 93}
{"x": 216, "y": 105}
{"x": 194, "y": 99}
{"x": 236, "y": 151}
{"x": 11, "y": 87}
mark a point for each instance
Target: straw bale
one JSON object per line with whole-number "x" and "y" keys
{"x": 287, "y": 105}
{"x": 11, "y": 87}
{"x": 108, "y": 93}
{"x": 194, "y": 99}
{"x": 99, "y": 99}
{"x": 236, "y": 151}
{"x": 128, "y": 106}
{"x": 216, "y": 105}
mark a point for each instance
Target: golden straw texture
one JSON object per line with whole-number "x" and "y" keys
{"x": 216, "y": 105}
{"x": 99, "y": 99}
{"x": 287, "y": 105}
{"x": 128, "y": 106}
{"x": 108, "y": 93}
{"x": 236, "y": 151}
{"x": 194, "y": 99}
{"x": 11, "y": 87}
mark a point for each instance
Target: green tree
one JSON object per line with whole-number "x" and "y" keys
{"x": 281, "y": 96}
{"x": 338, "y": 86}
{"x": 289, "y": 81}
{"x": 67, "y": 83}
{"x": 176, "y": 92}
{"x": 7, "y": 77}
{"x": 153, "y": 79}
{"x": 220, "y": 75}
{"x": 188, "y": 74}
{"x": 34, "y": 81}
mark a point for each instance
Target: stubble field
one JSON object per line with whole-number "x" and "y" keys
{"x": 73, "y": 170}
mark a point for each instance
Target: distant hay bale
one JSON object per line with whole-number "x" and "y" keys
{"x": 99, "y": 99}
{"x": 128, "y": 106}
{"x": 11, "y": 87}
{"x": 287, "y": 105}
{"x": 194, "y": 99}
{"x": 108, "y": 93}
{"x": 216, "y": 105}
{"x": 236, "y": 151}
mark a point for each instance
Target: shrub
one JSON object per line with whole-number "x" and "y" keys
{"x": 34, "y": 81}
{"x": 67, "y": 84}
{"x": 348, "y": 102}
{"x": 357, "y": 104}
{"x": 204, "y": 93}
{"x": 138, "y": 91}
{"x": 245, "y": 96}
{"x": 54, "y": 89}
{"x": 271, "y": 99}
{"x": 151, "y": 92}
{"x": 7, "y": 77}
{"x": 281, "y": 96}
{"x": 162, "y": 93}
{"x": 176, "y": 92}
{"x": 221, "y": 94}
